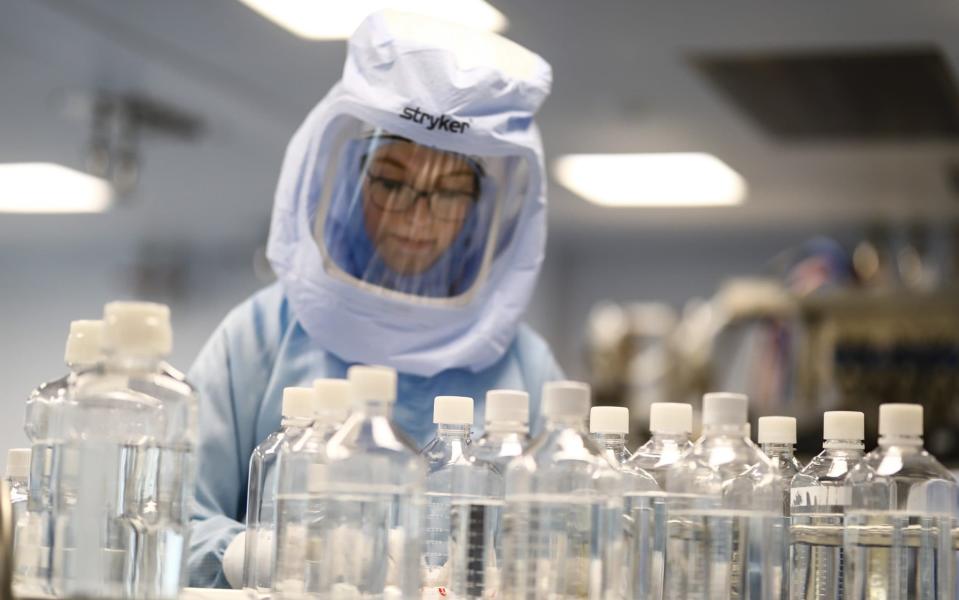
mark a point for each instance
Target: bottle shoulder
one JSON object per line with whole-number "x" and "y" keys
{"x": 894, "y": 464}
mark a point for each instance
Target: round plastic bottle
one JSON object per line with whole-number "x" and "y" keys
{"x": 300, "y": 518}
{"x": 777, "y": 438}
{"x": 299, "y": 407}
{"x": 724, "y": 538}
{"x": 563, "y": 523}
{"x": 670, "y": 425}
{"x": 898, "y": 535}
{"x": 819, "y": 499}
{"x": 506, "y": 434}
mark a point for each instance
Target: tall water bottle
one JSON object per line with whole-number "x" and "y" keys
{"x": 371, "y": 493}
{"x": 300, "y": 518}
{"x": 724, "y": 536}
{"x": 506, "y": 433}
{"x": 17, "y": 475}
{"x": 670, "y": 425}
{"x": 898, "y": 535}
{"x": 609, "y": 425}
{"x": 563, "y": 519}
{"x": 130, "y": 431}
{"x": 44, "y": 410}
{"x": 820, "y": 496}
{"x": 297, "y": 416}
{"x": 464, "y": 497}
{"x": 777, "y": 438}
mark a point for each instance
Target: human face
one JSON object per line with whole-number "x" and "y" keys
{"x": 410, "y": 239}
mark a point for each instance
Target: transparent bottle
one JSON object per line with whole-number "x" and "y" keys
{"x": 898, "y": 537}
{"x": 609, "y": 425}
{"x": 820, "y": 496}
{"x": 129, "y": 432}
{"x": 670, "y": 424}
{"x": 299, "y": 509}
{"x": 17, "y": 477}
{"x": 464, "y": 499}
{"x": 371, "y": 495}
{"x": 563, "y": 519}
{"x": 44, "y": 410}
{"x": 724, "y": 536}
{"x": 506, "y": 433}
{"x": 297, "y": 416}
{"x": 777, "y": 438}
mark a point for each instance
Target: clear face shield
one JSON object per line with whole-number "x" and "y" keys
{"x": 413, "y": 219}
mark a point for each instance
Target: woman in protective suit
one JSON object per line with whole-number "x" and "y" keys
{"x": 408, "y": 230}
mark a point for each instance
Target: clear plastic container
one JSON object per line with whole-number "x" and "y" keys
{"x": 369, "y": 500}
{"x": 725, "y": 535}
{"x": 820, "y": 496}
{"x": 609, "y": 425}
{"x": 297, "y": 416}
{"x": 898, "y": 536}
{"x": 464, "y": 498}
{"x": 299, "y": 478}
{"x": 17, "y": 476}
{"x": 42, "y": 425}
{"x": 777, "y": 438}
{"x": 506, "y": 433}
{"x": 126, "y": 476}
{"x": 563, "y": 520}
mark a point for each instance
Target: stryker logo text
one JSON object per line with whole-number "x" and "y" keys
{"x": 441, "y": 122}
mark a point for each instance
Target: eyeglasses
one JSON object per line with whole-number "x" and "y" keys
{"x": 396, "y": 196}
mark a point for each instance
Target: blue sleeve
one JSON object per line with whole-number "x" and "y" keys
{"x": 219, "y": 494}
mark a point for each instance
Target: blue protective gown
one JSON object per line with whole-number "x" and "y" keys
{"x": 258, "y": 350}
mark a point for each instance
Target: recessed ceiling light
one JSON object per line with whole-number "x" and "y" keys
{"x": 46, "y": 188}
{"x": 336, "y": 20}
{"x": 658, "y": 179}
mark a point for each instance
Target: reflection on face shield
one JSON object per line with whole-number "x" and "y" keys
{"x": 415, "y": 202}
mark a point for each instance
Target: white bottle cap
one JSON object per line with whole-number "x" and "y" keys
{"x": 609, "y": 419}
{"x": 900, "y": 419}
{"x": 453, "y": 410}
{"x": 18, "y": 463}
{"x": 725, "y": 408}
{"x": 507, "y": 406}
{"x": 332, "y": 397}
{"x": 141, "y": 328}
{"x": 843, "y": 425}
{"x": 84, "y": 344}
{"x": 670, "y": 417}
{"x": 372, "y": 383}
{"x": 777, "y": 430}
{"x": 298, "y": 402}
{"x": 566, "y": 399}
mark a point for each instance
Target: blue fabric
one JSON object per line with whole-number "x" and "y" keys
{"x": 259, "y": 349}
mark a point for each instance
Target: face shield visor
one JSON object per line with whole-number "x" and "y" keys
{"x": 412, "y": 220}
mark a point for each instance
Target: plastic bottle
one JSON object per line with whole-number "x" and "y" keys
{"x": 609, "y": 425}
{"x": 300, "y": 478}
{"x": 17, "y": 476}
{"x": 44, "y": 410}
{"x": 563, "y": 522}
{"x": 506, "y": 433}
{"x": 724, "y": 538}
{"x": 464, "y": 498}
{"x": 777, "y": 438}
{"x": 820, "y": 496}
{"x": 670, "y": 424}
{"x": 898, "y": 535}
{"x": 130, "y": 430}
{"x": 371, "y": 493}
{"x": 297, "y": 416}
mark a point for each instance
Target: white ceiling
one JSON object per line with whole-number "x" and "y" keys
{"x": 622, "y": 83}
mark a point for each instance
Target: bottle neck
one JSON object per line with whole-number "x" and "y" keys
{"x": 845, "y": 447}
{"x": 452, "y": 432}
{"x": 905, "y": 441}
{"x": 670, "y": 439}
{"x": 778, "y": 450}
{"x": 300, "y": 422}
{"x": 610, "y": 441}
{"x": 374, "y": 408}
{"x": 132, "y": 362}
{"x": 565, "y": 422}
{"x": 506, "y": 427}
{"x": 724, "y": 430}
